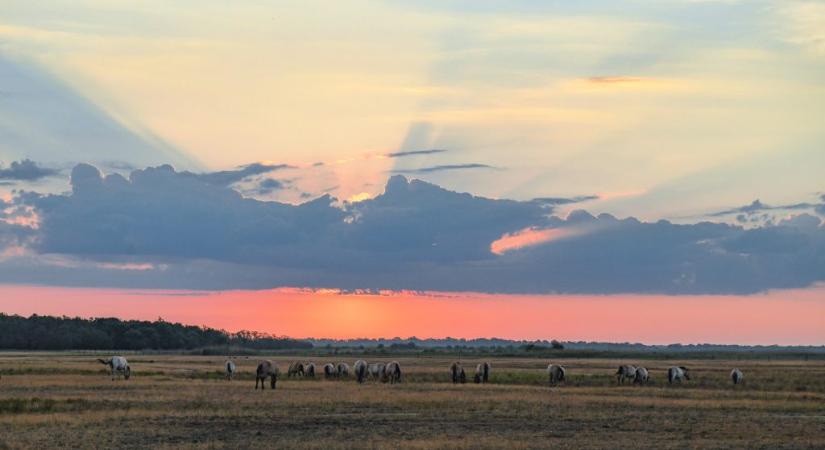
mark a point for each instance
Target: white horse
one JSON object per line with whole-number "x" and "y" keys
{"x": 309, "y": 370}
{"x": 118, "y": 364}
{"x": 230, "y": 369}
{"x": 392, "y": 373}
{"x": 329, "y": 371}
{"x": 376, "y": 370}
{"x": 737, "y": 376}
{"x": 677, "y": 374}
{"x": 457, "y": 373}
{"x": 343, "y": 370}
{"x": 625, "y": 373}
{"x": 360, "y": 368}
{"x": 642, "y": 376}
{"x": 482, "y": 373}
{"x": 556, "y": 374}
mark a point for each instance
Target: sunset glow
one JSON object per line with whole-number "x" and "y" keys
{"x": 793, "y": 317}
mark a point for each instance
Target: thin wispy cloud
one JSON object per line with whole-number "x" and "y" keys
{"x": 25, "y": 170}
{"x": 444, "y": 168}
{"x": 414, "y": 153}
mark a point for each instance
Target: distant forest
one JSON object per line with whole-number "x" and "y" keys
{"x": 66, "y": 333}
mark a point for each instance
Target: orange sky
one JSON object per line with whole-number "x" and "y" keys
{"x": 778, "y": 317}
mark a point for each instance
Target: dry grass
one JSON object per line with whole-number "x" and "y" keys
{"x": 60, "y": 400}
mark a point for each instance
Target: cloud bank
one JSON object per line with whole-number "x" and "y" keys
{"x": 186, "y": 231}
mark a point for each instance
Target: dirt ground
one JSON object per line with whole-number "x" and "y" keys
{"x": 60, "y": 400}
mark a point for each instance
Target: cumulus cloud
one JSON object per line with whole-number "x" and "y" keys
{"x": 415, "y": 235}
{"x": 25, "y": 170}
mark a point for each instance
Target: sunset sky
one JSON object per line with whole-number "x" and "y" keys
{"x": 429, "y": 167}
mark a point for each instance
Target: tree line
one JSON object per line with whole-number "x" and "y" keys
{"x": 74, "y": 333}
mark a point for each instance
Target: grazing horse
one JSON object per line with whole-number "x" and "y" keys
{"x": 392, "y": 373}
{"x": 737, "y": 376}
{"x": 343, "y": 370}
{"x": 625, "y": 373}
{"x": 329, "y": 371}
{"x": 266, "y": 369}
{"x": 309, "y": 370}
{"x": 360, "y": 368}
{"x": 118, "y": 364}
{"x": 457, "y": 373}
{"x": 376, "y": 370}
{"x": 296, "y": 368}
{"x": 556, "y": 374}
{"x": 229, "y": 368}
{"x": 482, "y": 373}
{"x": 642, "y": 376}
{"x": 677, "y": 374}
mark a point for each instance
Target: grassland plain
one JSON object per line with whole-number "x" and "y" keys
{"x": 64, "y": 400}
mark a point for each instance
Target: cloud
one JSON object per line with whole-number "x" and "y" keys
{"x": 184, "y": 233}
{"x": 269, "y": 185}
{"x": 555, "y": 201}
{"x": 414, "y": 153}
{"x": 614, "y": 80}
{"x": 443, "y": 168}
{"x": 227, "y": 177}
{"x": 757, "y": 207}
{"x": 25, "y": 170}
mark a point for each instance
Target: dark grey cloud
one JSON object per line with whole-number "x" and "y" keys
{"x": 228, "y": 177}
{"x": 415, "y": 235}
{"x": 25, "y": 170}
{"x": 757, "y": 207}
{"x": 269, "y": 185}
{"x": 443, "y": 168}
{"x": 414, "y": 153}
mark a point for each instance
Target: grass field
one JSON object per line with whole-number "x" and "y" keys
{"x": 63, "y": 400}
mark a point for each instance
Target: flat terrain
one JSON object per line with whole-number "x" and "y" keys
{"x": 61, "y": 400}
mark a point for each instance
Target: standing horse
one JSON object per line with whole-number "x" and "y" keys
{"x": 376, "y": 370}
{"x": 118, "y": 364}
{"x": 229, "y": 368}
{"x": 266, "y": 369}
{"x": 677, "y": 374}
{"x": 296, "y": 368}
{"x": 343, "y": 370}
{"x": 556, "y": 374}
{"x": 482, "y": 373}
{"x": 392, "y": 373}
{"x": 642, "y": 376}
{"x": 329, "y": 371}
{"x": 737, "y": 376}
{"x": 625, "y": 373}
{"x": 309, "y": 370}
{"x": 457, "y": 373}
{"x": 360, "y": 368}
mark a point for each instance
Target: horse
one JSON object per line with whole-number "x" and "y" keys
{"x": 625, "y": 373}
{"x": 329, "y": 371}
{"x": 482, "y": 373}
{"x": 392, "y": 373}
{"x": 737, "y": 376}
{"x": 556, "y": 374}
{"x": 376, "y": 370}
{"x": 677, "y": 374}
{"x": 360, "y": 368}
{"x": 296, "y": 368}
{"x": 118, "y": 364}
{"x": 309, "y": 370}
{"x": 642, "y": 376}
{"x": 229, "y": 368}
{"x": 343, "y": 370}
{"x": 266, "y": 369}
{"x": 457, "y": 373}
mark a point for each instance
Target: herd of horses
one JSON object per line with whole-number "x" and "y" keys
{"x": 391, "y": 372}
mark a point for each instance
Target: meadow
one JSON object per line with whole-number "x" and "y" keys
{"x": 67, "y": 400}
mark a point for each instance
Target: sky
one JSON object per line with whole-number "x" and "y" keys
{"x": 654, "y": 150}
